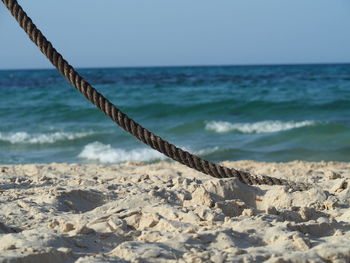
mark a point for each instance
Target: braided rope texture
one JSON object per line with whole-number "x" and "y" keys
{"x": 127, "y": 123}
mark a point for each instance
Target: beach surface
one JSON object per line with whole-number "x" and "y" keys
{"x": 165, "y": 212}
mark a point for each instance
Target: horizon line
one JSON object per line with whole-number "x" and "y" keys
{"x": 190, "y": 66}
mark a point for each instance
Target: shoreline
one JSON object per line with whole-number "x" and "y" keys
{"x": 166, "y": 212}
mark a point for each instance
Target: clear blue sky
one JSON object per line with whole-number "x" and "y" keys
{"x": 115, "y": 33}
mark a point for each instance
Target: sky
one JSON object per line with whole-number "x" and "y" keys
{"x": 136, "y": 33}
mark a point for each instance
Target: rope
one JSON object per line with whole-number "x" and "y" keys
{"x": 127, "y": 123}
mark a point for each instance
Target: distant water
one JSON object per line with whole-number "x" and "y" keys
{"x": 263, "y": 113}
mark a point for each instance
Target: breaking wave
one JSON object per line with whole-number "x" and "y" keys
{"x": 256, "y": 127}
{"x": 103, "y": 153}
{"x": 40, "y": 138}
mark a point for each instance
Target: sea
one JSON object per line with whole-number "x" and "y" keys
{"x": 264, "y": 113}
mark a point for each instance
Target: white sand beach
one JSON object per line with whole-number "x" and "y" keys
{"x": 165, "y": 212}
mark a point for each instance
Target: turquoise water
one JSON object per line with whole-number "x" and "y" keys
{"x": 263, "y": 113}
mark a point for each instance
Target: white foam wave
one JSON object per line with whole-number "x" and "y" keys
{"x": 257, "y": 127}
{"x": 103, "y": 153}
{"x": 39, "y": 138}
{"x": 205, "y": 151}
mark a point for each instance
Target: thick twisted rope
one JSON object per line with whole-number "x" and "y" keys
{"x": 124, "y": 121}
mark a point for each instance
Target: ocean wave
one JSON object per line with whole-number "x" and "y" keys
{"x": 256, "y": 127}
{"x": 40, "y": 138}
{"x": 205, "y": 151}
{"x": 103, "y": 153}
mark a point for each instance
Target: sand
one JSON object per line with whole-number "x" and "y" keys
{"x": 165, "y": 212}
